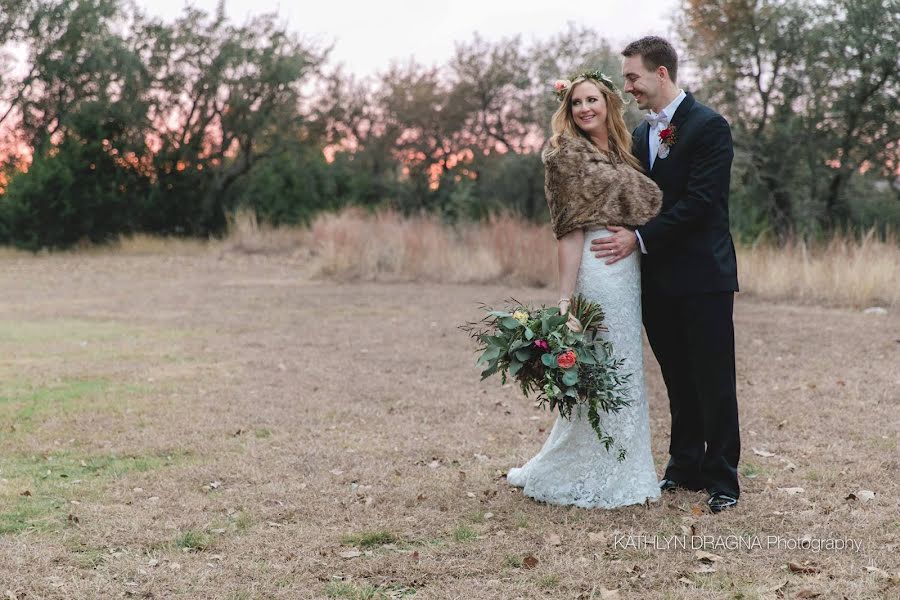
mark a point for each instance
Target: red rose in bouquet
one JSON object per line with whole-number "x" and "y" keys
{"x": 566, "y": 360}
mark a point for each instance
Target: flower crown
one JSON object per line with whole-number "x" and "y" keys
{"x": 561, "y": 86}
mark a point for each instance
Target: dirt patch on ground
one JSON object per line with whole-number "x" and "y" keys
{"x": 219, "y": 426}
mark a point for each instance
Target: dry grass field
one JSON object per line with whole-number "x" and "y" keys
{"x": 217, "y": 422}
{"x": 847, "y": 270}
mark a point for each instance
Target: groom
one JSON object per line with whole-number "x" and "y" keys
{"x": 689, "y": 271}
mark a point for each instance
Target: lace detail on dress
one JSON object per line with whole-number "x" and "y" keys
{"x": 573, "y": 467}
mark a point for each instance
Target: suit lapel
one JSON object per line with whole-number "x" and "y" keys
{"x": 683, "y": 109}
{"x": 677, "y": 121}
{"x": 642, "y": 146}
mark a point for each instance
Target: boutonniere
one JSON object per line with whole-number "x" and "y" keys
{"x": 667, "y": 139}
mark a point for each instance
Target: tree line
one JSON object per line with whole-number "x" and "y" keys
{"x": 117, "y": 122}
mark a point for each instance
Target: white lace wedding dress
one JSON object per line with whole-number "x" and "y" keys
{"x": 573, "y": 467}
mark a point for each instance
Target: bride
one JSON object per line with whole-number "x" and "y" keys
{"x": 592, "y": 180}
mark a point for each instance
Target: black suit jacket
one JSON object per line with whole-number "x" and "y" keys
{"x": 689, "y": 245}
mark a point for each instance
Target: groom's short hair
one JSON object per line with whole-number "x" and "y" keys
{"x": 654, "y": 52}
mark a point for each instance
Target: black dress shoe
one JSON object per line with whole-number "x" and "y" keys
{"x": 667, "y": 485}
{"x": 718, "y": 502}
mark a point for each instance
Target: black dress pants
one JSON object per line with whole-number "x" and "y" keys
{"x": 692, "y": 338}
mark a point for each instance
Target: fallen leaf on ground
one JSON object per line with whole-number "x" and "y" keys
{"x": 704, "y": 570}
{"x": 794, "y": 567}
{"x": 686, "y": 581}
{"x": 807, "y": 594}
{"x": 763, "y": 453}
{"x": 350, "y": 553}
{"x": 788, "y": 465}
{"x": 529, "y": 562}
{"x": 864, "y": 495}
{"x": 792, "y": 490}
{"x": 697, "y": 510}
{"x": 878, "y": 572}
{"x": 707, "y": 557}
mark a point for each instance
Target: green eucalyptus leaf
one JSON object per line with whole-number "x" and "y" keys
{"x": 490, "y": 354}
{"x": 570, "y": 377}
{"x": 586, "y": 357}
{"x": 510, "y": 323}
{"x": 554, "y": 322}
{"x": 498, "y": 340}
{"x": 489, "y": 371}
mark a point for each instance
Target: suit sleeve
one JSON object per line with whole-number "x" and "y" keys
{"x": 710, "y": 173}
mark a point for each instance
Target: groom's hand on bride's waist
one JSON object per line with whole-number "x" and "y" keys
{"x": 614, "y": 248}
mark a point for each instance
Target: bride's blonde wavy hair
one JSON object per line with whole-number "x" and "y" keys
{"x": 563, "y": 123}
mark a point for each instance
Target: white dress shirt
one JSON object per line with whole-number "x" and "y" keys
{"x": 667, "y": 113}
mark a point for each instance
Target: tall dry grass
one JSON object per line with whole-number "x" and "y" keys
{"x": 846, "y": 270}
{"x": 385, "y": 246}
{"x": 353, "y": 245}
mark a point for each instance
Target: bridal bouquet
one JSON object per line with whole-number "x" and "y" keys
{"x": 558, "y": 356}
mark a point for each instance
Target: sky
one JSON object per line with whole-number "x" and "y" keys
{"x": 369, "y": 34}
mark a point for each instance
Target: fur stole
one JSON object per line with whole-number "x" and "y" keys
{"x": 585, "y": 188}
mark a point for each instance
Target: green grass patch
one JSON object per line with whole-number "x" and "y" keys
{"x": 21, "y": 403}
{"x": 40, "y": 489}
{"x": 34, "y": 514}
{"x": 464, "y": 534}
{"x": 750, "y": 470}
{"x": 477, "y": 516}
{"x": 548, "y": 582}
{"x": 370, "y": 539}
{"x": 242, "y": 521}
{"x": 512, "y": 561}
{"x": 884, "y": 443}
{"x": 192, "y": 539}
{"x": 25, "y": 405}
{"x": 263, "y": 433}
{"x": 89, "y": 559}
{"x": 340, "y": 589}
{"x": 344, "y": 589}
{"x": 61, "y": 330}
